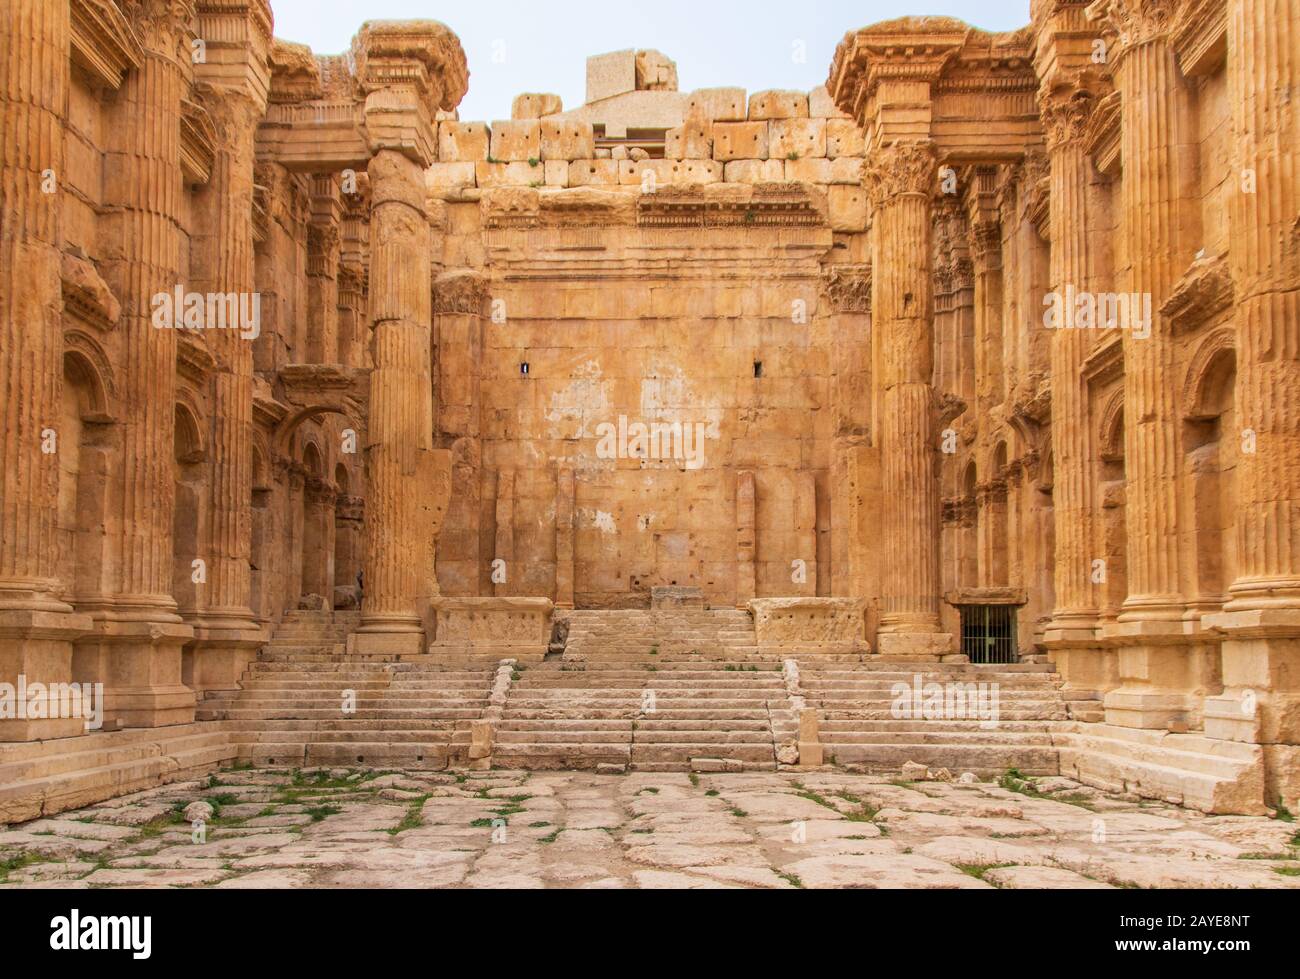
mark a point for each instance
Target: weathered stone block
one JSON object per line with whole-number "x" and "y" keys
{"x": 669, "y": 172}
{"x": 822, "y": 106}
{"x": 798, "y": 139}
{"x": 567, "y": 139}
{"x": 755, "y": 171}
{"x": 589, "y": 173}
{"x": 844, "y": 138}
{"x": 810, "y": 171}
{"x": 508, "y": 174}
{"x": 740, "y": 141}
{"x": 718, "y": 104}
{"x": 848, "y": 207}
{"x": 463, "y": 141}
{"x": 692, "y": 141}
{"x": 778, "y": 105}
{"x": 516, "y": 140}
{"x": 535, "y": 105}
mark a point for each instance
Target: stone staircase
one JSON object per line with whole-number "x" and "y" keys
{"x": 652, "y": 717}
{"x": 861, "y": 723}
{"x": 660, "y": 635}
{"x": 304, "y": 702}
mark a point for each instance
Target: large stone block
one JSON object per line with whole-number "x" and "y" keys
{"x": 567, "y": 139}
{"x": 755, "y": 171}
{"x": 593, "y": 173}
{"x": 718, "y": 104}
{"x": 536, "y": 105}
{"x": 844, "y": 138}
{"x": 692, "y": 141}
{"x": 778, "y": 105}
{"x": 822, "y": 625}
{"x": 516, "y": 140}
{"x": 797, "y": 139}
{"x": 443, "y": 177}
{"x": 669, "y": 172}
{"x": 508, "y": 174}
{"x": 822, "y": 106}
{"x": 847, "y": 205}
{"x": 815, "y": 170}
{"x": 463, "y": 141}
{"x": 740, "y": 141}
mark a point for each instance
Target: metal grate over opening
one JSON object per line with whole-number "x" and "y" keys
{"x": 988, "y": 633}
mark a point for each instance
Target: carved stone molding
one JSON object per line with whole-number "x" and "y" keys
{"x": 1204, "y": 291}
{"x": 848, "y": 287}
{"x": 86, "y": 296}
{"x": 102, "y": 41}
{"x": 768, "y": 206}
{"x": 1201, "y": 37}
{"x": 461, "y": 291}
{"x": 198, "y": 142}
{"x": 903, "y": 167}
{"x": 1102, "y": 135}
{"x": 421, "y": 55}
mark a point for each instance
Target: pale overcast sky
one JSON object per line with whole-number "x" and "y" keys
{"x": 518, "y": 46}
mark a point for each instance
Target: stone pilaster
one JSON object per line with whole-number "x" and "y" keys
{"x": 1159, "y": 237}
{"x": 1261, "y": 621}
{"x": 323, "y": 272}
{"x": 320, "y": 496}
{"x": 901, "y": 181}
{"x": 36, "y": 625}
{"x": 1066, "y": 106}
{"x": 233, "y": 85}
{"x": 135, "y": 648}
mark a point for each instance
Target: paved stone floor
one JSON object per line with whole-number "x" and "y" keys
{"x": 494, "y": 830}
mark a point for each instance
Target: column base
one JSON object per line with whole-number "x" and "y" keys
{"x": 36, "y": 648}
{"x": 219, "y": 654}
{"x": 914, "y": 646}
{"x": 139, "y": 662}
{"x": 1165, "y": 671}
{"x": 1260, "y": 703}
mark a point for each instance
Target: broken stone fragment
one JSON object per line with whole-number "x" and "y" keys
{"x": 788, "y": 754}
{"x": 912, "y": 772}
{"x": 199, "y": 811}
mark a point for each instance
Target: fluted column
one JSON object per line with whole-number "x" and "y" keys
{"x": 226, "y": 634}
{"x": 1160, "y": 235}
{"x": 1261, "y": 621}
{"x": 136, "y": 649}
{"x": 901, "y": 181}
{"x": 35, "y": 625}
{"x": 323, "y": 272}
{"x": 1066, "y": 106}
{"x": 401, "y": 407}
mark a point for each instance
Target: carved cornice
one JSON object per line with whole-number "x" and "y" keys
{"x": 198, "y": 142}
{"x": 461, "y": 291}
{"x": 768, "y": 206}
{"x": 424, "y": 55}
{"x": 1204, "y": 291}
{"x": 848, "y": 287}
{"x": 902, "y": 167}
{"x": 1102, "y": 135}
{"x": 1201, "y": 37}
{"x": 295, "y": 76}
{"x": 102, "y": 41}
{"x": 906, "y": 49}
{"x": 256, "y": 12}
{"x": 86, "y": 296}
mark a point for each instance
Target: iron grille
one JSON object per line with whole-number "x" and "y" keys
{"x": 988, "y": 633}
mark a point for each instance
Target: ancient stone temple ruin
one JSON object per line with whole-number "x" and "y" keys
{"x": 945, "y": 413}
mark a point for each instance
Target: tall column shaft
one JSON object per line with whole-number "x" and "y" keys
{"x": 901, "y": 182}
{"x": 34, "y": 43}
{"x": 401, "y": 400}
{"x": 1160, "y": 238}
{"x": 1264, "y": 63}
{"x": 1074, "y": 462}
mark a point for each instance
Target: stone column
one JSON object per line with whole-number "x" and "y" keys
{"x": 1159, "y": 237}
{"x": 901, "y": 180}
{"x": 135, "y": 649}
{"x": 401, "y": 408}
{"x": 1072, "y": 632}
{"x": 36, "y": 626}
{"x": 351, "y": 317}
{"x": 318, "y": 527}
{"x": 1261, "y": 654}
{"x": 323, "y": 272}
{"x": 234, "y": 80}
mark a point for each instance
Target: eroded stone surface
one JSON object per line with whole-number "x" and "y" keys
{"x": 574, "y": 830}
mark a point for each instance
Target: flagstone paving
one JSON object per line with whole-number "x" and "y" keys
{"x": 340, "y": 828}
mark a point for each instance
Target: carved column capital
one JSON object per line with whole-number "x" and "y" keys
{"x": 903, "y": 167}
{"x": 162, "y": 26}
{"x": 1065, "y": 108}
{"x": 461, "y": 291}
{"x": 1135, "y": 21}
{"x": 848, "y": 287}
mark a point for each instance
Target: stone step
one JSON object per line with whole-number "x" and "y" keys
{"x": 981, "y": 759}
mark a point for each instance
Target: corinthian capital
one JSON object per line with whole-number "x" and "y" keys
{"x": 1065, "y": 105}
{"x": 161, "y": 25}
{"x": 1135, "y": 21}
{"x": 904, "y": 167}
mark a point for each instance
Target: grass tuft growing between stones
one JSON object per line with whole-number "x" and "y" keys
{"x": 792, "y": 879}
{"x": 414, "y": 816}
{"x": 978, "y": 870}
